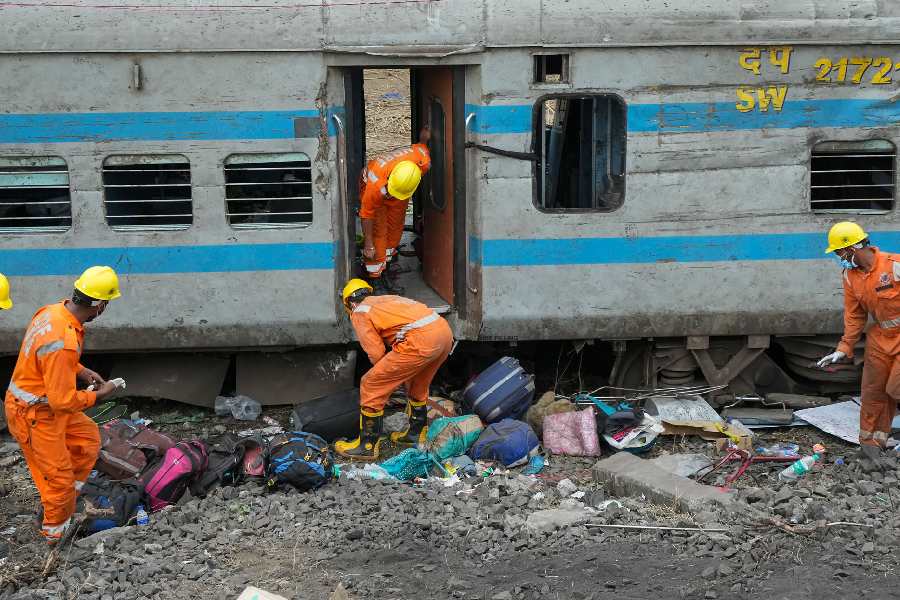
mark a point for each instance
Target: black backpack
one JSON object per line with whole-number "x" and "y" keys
{"x": 104, "y": 503}
{"x": 299, "y": 459}
{"x": 226, "y": 459}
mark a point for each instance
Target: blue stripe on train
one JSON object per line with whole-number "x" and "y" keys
{"x": 142, "y": 260}
{"x": 690, "y": 117}
{"x": 664, "y": 249}
{"x": 153, "y": 126}
{"x": 492, "y": 119}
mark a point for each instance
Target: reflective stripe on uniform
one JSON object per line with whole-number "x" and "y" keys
{"x": 362, "y": 308}
{"x": 26, "y": 397}
{"x": 376, "y": 268}
{"x": 401, "y": 335}
{"x": 50, "y": 348}
{"x": 889, "y": 323}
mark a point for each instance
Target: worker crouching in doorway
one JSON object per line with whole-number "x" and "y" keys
{"x": 420, "y": 341}
{"x": 44, "y": 408}
{"x": 871, "y": 281}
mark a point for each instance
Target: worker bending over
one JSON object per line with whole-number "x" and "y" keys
{"x": 871, "y": 286}
{"x": 386, "y": 185}
{"x": 44, "y": 407}
{"x": 420, "y": 341}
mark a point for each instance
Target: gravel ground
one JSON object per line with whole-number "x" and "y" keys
{"x": 507, "y": 537}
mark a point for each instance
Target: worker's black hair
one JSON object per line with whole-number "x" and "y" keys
{"x": 82, "y": 299}
{"x": 359, "y": 295}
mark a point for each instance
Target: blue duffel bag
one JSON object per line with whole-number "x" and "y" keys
{"x": 510, "y": 442}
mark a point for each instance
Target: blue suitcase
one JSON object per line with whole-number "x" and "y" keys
{"x": 503, "y": 390}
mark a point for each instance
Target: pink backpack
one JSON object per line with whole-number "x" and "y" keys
{"x": 166, "y": 481}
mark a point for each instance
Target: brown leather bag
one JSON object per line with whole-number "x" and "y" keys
{"x": 126, "y": 449}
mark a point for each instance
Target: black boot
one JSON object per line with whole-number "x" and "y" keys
{"x": 418, "y": 425}
{"x": 371, "y": 433}
{"x": 383, "y": 286}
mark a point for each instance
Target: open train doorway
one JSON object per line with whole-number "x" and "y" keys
{"x": 386, "y": 110}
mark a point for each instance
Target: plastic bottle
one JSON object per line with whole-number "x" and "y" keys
{"x": 142, "y": 517}
{"x": 779, "y": 450}
{"x": 801, "y": 467}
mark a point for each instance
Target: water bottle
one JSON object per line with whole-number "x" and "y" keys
{"x": 781, "y": 450}
{"x": 801, "y": 467}
{"x": 142, "y": 517}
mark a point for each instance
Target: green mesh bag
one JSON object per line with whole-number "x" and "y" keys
{"x": 452, "y": 436}
{"x": 409, "y": 464}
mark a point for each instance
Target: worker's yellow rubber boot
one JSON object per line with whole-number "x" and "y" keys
{"x": 418, "y": 425}
{"x": 371, "y": 433}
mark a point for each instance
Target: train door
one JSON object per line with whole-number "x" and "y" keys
{"x": 385, "y": 109}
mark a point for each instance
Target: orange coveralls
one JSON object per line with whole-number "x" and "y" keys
{"x": 876, "y": 292}
{"x": 420, "y": 342}
{"x": 43, "y": 411}
{"x": 389, "y": 214}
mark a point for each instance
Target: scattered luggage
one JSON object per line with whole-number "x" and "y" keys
{"x": 510, "y": 442}
{"x": 452, "y": 436}
{"x": 226, "y": 463}
{"x": 331, "y": 417}
{"x": 503, "y": 390}
{"x": 253, "y": 466}
{"x": 104, "y": 503}
{"x": 298, "y": 459}
{"x": 166, "y": 480}
{"x": 126, "y": 449}
{"x": 572, "y": 433}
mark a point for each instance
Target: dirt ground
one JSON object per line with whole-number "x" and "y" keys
{"x": 388, "y": 121}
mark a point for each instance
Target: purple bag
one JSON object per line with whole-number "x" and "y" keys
{"x": 572, "y": 433}
{"x": 166, "y": 481}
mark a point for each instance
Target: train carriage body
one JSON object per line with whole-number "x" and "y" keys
{"x": 613, "y": 171}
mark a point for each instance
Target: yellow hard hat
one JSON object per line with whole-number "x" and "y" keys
{"x": 354, "y": 285}
{"x": 5, "y": 301}
{"x": 99, "y": 283}
{"x": 404, "y": 180}
{"x": 844, "y": 235}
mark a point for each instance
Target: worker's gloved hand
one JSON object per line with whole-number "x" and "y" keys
{"x": 831, "y": 359}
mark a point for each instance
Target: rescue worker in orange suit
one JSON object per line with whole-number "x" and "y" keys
{"x": 420, "y": 341}
{"x": 386, "y": 184}
{"x": 871, "y": 287}
{"x": 43, "y": 405}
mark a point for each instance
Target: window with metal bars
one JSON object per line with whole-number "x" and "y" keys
{"x": 147, "y": 192}
{"x": 268, "y": 190}
{"x": 853, "y": 177}
{"x": 34, "y": 195}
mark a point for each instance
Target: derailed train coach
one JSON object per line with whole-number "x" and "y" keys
{"x": 656, "y": 176}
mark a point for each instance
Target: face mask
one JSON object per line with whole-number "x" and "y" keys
{"x": 847, "y": 264}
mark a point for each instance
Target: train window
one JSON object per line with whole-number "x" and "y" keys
{"x": 34, "y": 194}
{"x": 147, "y": 192}
{"x": 853, "y": 177}
{"x": 580, "y": 147}
{"x": 551, "y": 68}
{"x": 268, "y": 190}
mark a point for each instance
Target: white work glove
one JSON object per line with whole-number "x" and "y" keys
{"x": 831, "y": 359}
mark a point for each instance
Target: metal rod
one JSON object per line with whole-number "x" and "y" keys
{"x": 146, "y": 216}
{"x": 268, "y": 214}
{"x": 658, "y": 527}
{"x": 160, "y": 200}
{"x": 294, "y": 168}
{"x": 272, "y": 183}
{"x": 281, "y": 198}
{"x": 145, "y": 185}
{"x": 36, "y": 202}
